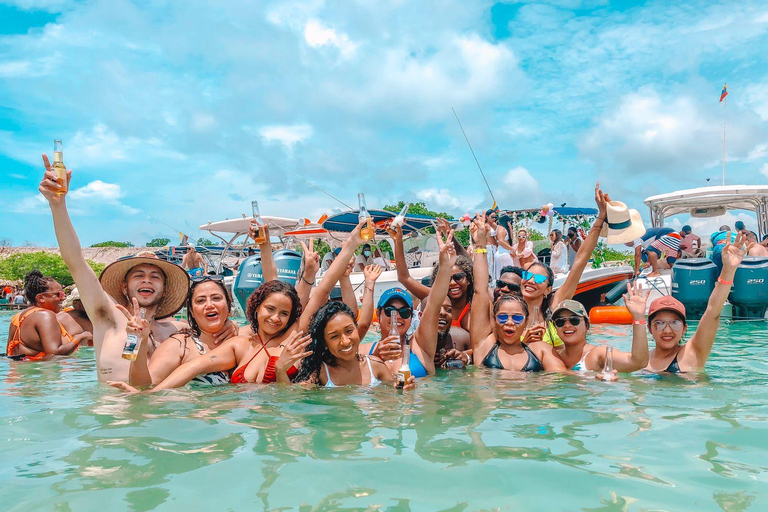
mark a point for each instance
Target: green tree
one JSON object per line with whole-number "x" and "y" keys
{"x": 111, "y": 243}
{"x": 16, "y": 266}
{"x": 158, "y": 242}
{"x": 204, "y": 241}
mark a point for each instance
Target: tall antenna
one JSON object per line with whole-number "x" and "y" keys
{"x": 473, "y": 155}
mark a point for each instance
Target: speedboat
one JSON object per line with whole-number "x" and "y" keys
{"x": 689, "y": 275}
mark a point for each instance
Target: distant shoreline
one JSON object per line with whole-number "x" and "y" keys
{"x": 104, "y": 255}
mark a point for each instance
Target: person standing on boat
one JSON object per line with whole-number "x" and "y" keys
{"x": 641, "y": 245}
{"x": 690, "y": 244}
{"x": 522, "y": 251}
{"x": 719, "y": 240}
{"x": 35, "y": 333}
{"x": 194, "y": 263}
{"x": 572, "y": 242}
{"x": 558, "y": 258}
{"x": 667, "y": 322}
{"x": 753, "y": 247}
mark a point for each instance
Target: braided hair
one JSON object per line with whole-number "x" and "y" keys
{"x": 310, "y": 366}
{"x": 36, "y": 283}
{"x": 261, "y": 294}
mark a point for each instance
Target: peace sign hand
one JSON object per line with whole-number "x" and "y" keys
{"x": 479, "y": 229}
{"x": 294, "y": 350}
{"x": 311, "y": 258}
{"x": 136, "y": 323}
{"x": 447, "y": 250}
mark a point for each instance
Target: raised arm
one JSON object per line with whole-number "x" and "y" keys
{"x": 480, "y": 324}
{"x": 568, "y": 289}
{"x": 425, "y": 340}
{"x": 95, "y": 299}
{"x": 372, "y": 273}
{"x": 330, "y": 278}
{"x": 268, "y": 268}
{"x": 444, "y": 227}
{"x": 417, "y": 289}
{"x": 700, "y": 345}
{"x": 310, "y": 267}
{"x": 347, "y": 291}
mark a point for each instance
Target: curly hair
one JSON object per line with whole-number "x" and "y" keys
{"x": 546, "y": 306}
{"x": 511, "y": 298}
{"x": 261, "y": 294}
{"x": 466, "y": 266}
{"x": 36, "y": 283}
{"x": 194, "y": 328}
{"x": 310, "y": 366}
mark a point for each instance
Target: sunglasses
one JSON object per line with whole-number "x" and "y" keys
{"x": 60, "y": 294}
{"x": 405, "y": 312}
{"x": 522, "y": 236}
{"x": 458, "y": 276}
{"x": 202, "y": 279}
{"x": 573, "y": 320}
{"x": 537, "y": 278}
{"x": 503, "y": 318}
{"x": 509, "y": 286}
{"x": 675, "y": 325}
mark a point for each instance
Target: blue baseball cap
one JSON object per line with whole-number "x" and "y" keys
{"x": 395, "y": 293}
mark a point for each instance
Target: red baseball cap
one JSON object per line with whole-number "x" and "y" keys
{"x": 666, "y": 303}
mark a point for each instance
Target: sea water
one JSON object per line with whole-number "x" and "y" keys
{"x": 464, "y": 440}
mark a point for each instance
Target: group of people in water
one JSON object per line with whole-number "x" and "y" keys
{"x": 299, "y": 334}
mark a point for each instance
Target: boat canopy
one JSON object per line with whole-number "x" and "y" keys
{"x": 345, "y": 222}
{"x": 711, "y": 202}
{"x": 277, "y": 225}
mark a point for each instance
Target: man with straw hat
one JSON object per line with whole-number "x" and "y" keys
{"x": 158, "y": 286}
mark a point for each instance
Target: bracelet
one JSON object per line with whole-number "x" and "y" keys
{"x": 368, "y": 289}
{"x": 310, "y": 284}
{"x": 638, "y": 322}
{"x": 719, "y": 280}
{"x": 481, "y": 250}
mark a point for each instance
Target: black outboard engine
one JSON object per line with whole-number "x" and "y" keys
{"x": 250, "y": 275}
{"x": 693, "y": 280}
{"x": 749, "y": 295}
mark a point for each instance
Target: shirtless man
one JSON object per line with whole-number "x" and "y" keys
{"x": 194, "y": 263}
{"x": 74, "y": 318}
{"x": 754, "y": 248}
{"x": 159, "y": 286}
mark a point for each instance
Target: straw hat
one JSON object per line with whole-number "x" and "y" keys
{"x": 176, "y": 283}
{"x": 622, "y": 224}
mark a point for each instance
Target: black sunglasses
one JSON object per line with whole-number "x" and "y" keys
{"x": 458, "y": 276}
{"x": 509, "y": 286}
{"x": 573, "y": 320}
{"x": 405, "y": 312}
{"x": 202, "y": 279}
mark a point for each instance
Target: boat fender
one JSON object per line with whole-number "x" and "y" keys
{"x": 610, "y": 315}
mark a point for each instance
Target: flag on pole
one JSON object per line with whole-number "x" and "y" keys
{"x": 184, "y": 238}
{"x": 724, "y": 93}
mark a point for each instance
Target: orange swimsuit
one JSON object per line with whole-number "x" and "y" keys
{"x": 15, "y": 341}
{"x": 270, "y": 374}
{"x": 457, "y": 322}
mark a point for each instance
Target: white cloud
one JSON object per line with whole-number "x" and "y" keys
{"x": 98, "y": 190}
{"x": 287, "y": 135}
{"x": 317, "y": 35}
{"x": 764, "y": 170}
{"x": 438, "y": 198}
{"x": 645, "y": 133}
{"x": 87, "y": 200}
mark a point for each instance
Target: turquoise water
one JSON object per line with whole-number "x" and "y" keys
{"x": 474, "y": 440}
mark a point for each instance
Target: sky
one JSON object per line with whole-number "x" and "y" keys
{"x": 177, "y": 113}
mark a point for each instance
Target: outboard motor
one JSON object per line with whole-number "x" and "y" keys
{"x": 693, "y": 280}
{"x": 749, "y": 295}
{"x": 250, "y": 275}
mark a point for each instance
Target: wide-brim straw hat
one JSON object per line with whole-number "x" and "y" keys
{"x": 176, "y": 283}
{"x": 622, "y": 224}
{"x": 71, "y": 298}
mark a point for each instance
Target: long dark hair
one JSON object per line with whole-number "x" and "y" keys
{"x": 190, "y": 319}
{"x": 466, "y": 266}
{"x": 261, "y": 293}
{"x": 546, "y": 306}
{"x": 36, "y": 283}
{"x": 310, "y": 366}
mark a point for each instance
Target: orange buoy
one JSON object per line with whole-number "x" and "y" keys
{"x": 610, "y": 315}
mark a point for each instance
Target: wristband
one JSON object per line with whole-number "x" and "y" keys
{"x": 310, "y": 284}
{"x": 480, "y": 250}
{"x": 720, "y": 280}
{"x": 638, "y": 322}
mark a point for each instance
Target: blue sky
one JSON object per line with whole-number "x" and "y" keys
{"x": 187, "y": 111}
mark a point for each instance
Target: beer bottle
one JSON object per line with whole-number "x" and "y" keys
{"x": 59, "y": 168}
{"x": 367, "y": 232}
{"x": 133, "y": 343}
{"x": 260, "y": 235}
